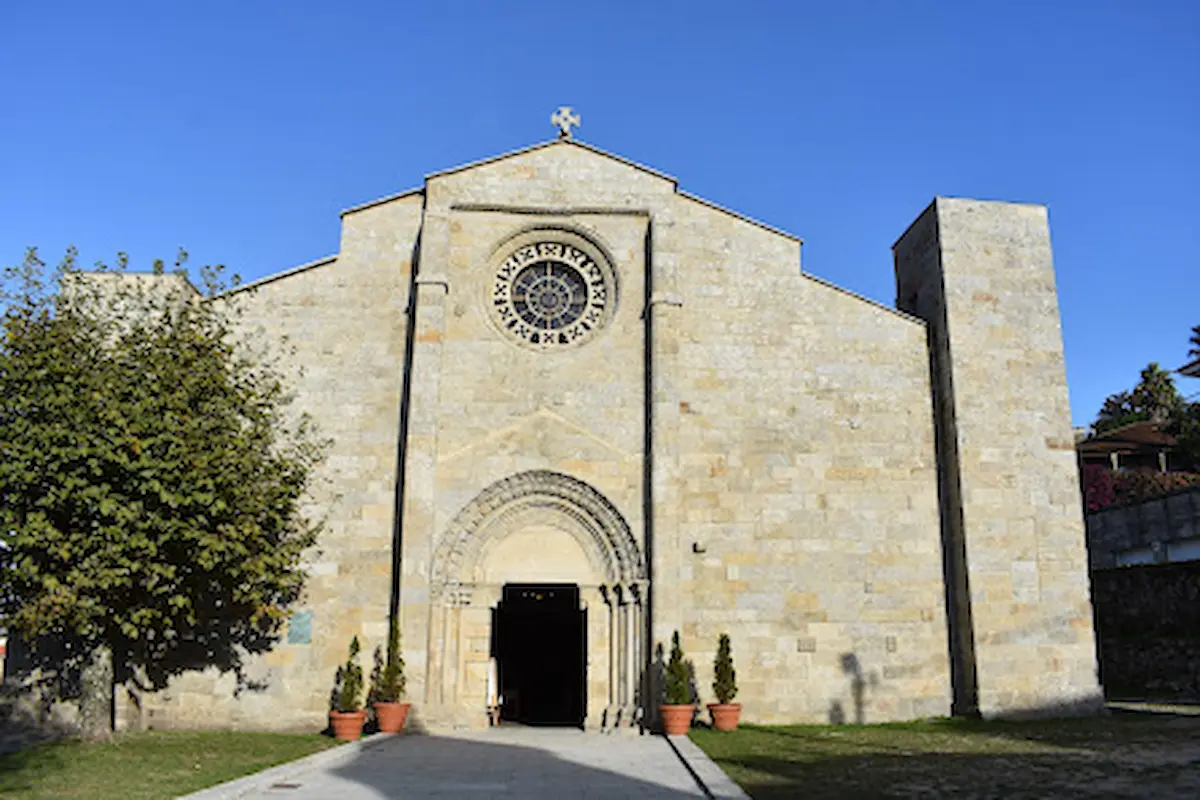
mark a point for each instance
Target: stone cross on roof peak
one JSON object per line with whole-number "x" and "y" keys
{"x": 564, "y": 119}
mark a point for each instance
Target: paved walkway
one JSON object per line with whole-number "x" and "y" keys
{"x": 508, "y": 762}
{"x": 1150, "y": 707}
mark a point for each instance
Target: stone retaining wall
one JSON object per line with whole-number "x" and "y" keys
{"x": 1151, "y": 526}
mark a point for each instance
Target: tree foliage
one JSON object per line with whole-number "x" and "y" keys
{"x": 1155, "y": 399}
{"x": 387, "y": 677}
{"x": 678, "y": 677}
{"x": 724, "y": 676}
{"x": 151, "y": 471}
{"x": 1187, "y": 435}
{"x": 1187, "y": 429}
{"x": 349, "y": 688}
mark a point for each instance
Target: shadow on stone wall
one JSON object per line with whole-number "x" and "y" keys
{"x": 38, "y": 704}
{"x": 863, "y": 682}
{"x": 860, "y": 682}
{"x": 224, "y": 637}
{"x": 65, "y": 685}
{"x": 29, "y": 717}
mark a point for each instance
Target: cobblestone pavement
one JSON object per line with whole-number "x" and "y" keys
{"x": 508, "y": 762}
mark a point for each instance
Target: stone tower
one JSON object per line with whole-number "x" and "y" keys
{"x": 981, "y": 275}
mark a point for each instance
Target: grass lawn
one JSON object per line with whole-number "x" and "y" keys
{"x": 1123, "y": 755}
{"x": 138, "y": 766}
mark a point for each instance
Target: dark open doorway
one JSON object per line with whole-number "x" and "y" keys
{"x": 539, "y": 641}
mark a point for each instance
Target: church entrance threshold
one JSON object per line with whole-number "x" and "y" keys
{"x": 539, "y": 642}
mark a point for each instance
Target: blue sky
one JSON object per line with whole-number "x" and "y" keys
{"x": 239, "y": 129}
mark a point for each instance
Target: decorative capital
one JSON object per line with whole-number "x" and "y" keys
{"x": 453, "y": 594}
{"x": 636, "y": 593}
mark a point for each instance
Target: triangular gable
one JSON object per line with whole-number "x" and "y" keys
{"x": 553, "y": 143}
{"x": 591, "y": 149}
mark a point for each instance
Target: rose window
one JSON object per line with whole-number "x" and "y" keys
{"x": 549, "y": 294}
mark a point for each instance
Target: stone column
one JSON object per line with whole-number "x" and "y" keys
{"x": 611, "y": 617}
{"x": 638, "y": 656}
{"x": 436, "y": 647}
{"x": 631, "y": 667}
{"x": 622, "y": 662}
{"x": 453, "y": 672}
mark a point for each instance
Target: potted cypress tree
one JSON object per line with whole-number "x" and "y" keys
{"x": 724, "y": 713}
{"x": 677, "y": 710}
{"x": 387, "y": 685}
{"x": 348, "y": 716}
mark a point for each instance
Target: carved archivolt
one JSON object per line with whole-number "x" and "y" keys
{"x": 532, "y": 498}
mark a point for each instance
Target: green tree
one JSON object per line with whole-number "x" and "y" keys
{"x": 678, "y": 689}
{"x": 1117, "y": 411}
{"x": 151, "y": 475}
{"x": 349, "y": 689}
{"x": 1187, "y": 432}
{"x": 1188, "y": 429}
{"x": 724, "y": 675}
{"x": 387, "y": 677}
{"x": 1155, "y": 398}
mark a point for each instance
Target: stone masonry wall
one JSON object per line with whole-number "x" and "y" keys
{"x": 485, "y": 408}
{"x": 981, "y": 273}
{"x": 344, "y": 320}
{"x": 807, "y": 485}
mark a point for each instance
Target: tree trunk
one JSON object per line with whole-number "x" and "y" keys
{"x": 96, "y": 695}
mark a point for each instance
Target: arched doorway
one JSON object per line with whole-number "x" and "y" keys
{"x": 538, "y": 585}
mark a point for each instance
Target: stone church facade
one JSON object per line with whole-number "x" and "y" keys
{"x": 574, "y": 409}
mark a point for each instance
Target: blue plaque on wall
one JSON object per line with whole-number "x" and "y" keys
{"x": 300, "y": 628}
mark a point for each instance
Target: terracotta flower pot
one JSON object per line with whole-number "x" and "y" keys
{"x": 676, "y": 719}
{"x": 348, "y": 725}
{"x": 390, "y": 717}
{"x": 725, "y": 715}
